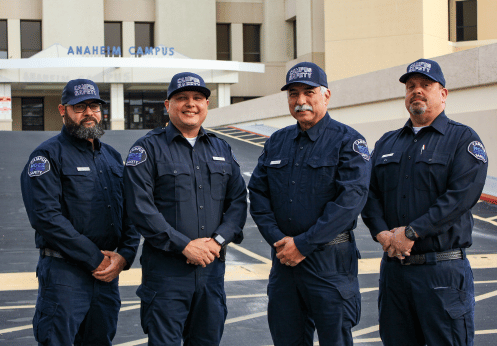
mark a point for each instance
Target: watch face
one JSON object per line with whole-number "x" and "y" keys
{"x": 219, "y": 239}
{"x": 410, "y": 233}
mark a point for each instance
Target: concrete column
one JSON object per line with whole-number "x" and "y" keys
{"x": 14, "y": 38}
{"x": 236, "y": 42}
{"x": 128, "y": 38}
{"x": 223, "y": 95}
{"x": 116, "y": 107}
{"x": 5, "y": 107}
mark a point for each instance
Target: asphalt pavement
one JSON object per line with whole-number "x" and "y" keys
{"x": 247, "y": 264}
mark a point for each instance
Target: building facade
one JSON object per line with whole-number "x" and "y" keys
{"x": 242, "y": 48}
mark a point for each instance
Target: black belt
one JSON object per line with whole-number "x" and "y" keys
{"x": 440, "y": 256}
{"x": 341, "y": 238}
{"x": 50, "y": 252}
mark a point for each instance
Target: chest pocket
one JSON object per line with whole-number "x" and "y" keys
{"x": 278, "y": 172}
{"x": 318, "y": 176}
{"x": 117, "y": 181}
{"x": 219, "y": 175}
{"x": 79, "y": 185}
{"x": 430, "y": 171}
{"x": 387, "y": 170}
{"x": 173, "y": 177}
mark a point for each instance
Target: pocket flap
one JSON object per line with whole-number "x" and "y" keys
{"x": 145, "y": 294}
{"x": 275, "y": 163}
{"x": 74, "y": 171}
{"x": 323, "y": 162}
{"x": 117, "y": 170}
{"x": 172, "y": 169}
{"x": 348, "y": 289}
{"x": 218, "y": 167}
{"x": 388, "y": 158}
{"x": 46, "y": 306}
{"x": 434, "y": 158}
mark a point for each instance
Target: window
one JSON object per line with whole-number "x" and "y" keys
{"x": 3, "y": 39}
{"x": 32, "y": 114}
{"x": 144, "y": 38}
{"x": 30, "y": 38}
{"x": 144, "y": 110}
{"x": 466, "y": 21}
{"x": 251, "y": 43}
{"x": 113, "y": 38}
{"x": 223, "y": 41}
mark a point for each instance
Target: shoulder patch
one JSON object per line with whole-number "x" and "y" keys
{"x": 39, "y": 165}
{"x": 361, "y": 147}
{"x": 477, "y": 149}
{"x": 136, "y": 156}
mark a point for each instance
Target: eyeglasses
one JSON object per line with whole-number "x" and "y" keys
{"x": 81, "y": 107}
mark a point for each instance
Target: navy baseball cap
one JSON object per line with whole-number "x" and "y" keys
{"x": 429, "y": 68}
{"x": 306, "y": 73}
{"x": 79, "y": 90}
{"x": 187, "y": 81}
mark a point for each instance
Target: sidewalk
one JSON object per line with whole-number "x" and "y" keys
{"x": 489, "y": 190}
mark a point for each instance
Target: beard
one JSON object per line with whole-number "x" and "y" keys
{"x": 416, "y": 108}
{"x": 83, "y": 132}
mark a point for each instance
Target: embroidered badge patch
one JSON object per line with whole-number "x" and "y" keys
{"x": 477, "y": 149}
{"x": 361, "y": 147}
{"x": 38, "y": 166}
{"x": 136, "y": 156}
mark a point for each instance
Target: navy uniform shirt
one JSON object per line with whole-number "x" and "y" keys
{"x": 429, "y": 181}
{"x": 74, "y": 199}
{"x": 310, "y": 185}
{"x": 177, "y": 193}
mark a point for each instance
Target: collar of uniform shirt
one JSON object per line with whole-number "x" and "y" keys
{"x": 440, "y": 123}
{"x": 315, "y": 131}
{"x": 172, "y": 132}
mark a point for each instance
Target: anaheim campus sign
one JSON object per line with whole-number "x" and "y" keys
{"x": 116, "y": 51}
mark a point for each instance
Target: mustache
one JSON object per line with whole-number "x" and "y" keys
{"x": 90, "y": 118}
{"x": 417, "y": 98}
{"x": 303, "y": 108}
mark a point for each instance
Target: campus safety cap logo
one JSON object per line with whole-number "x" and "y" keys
{"x": 84, "y": 89}
{"x": 419, "y": 66}
{"x": 136, "y": 156}
{"x": 477, "y": 149}
{"x": 188, "y": 81}
{"x": 38, "y": 166}
{"x": 301, "y": 72}
{"x": 361, "y": 147}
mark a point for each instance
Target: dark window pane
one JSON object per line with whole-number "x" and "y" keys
{"x": 144, "y": 110}
{"x": 30, "y": 38}
{"x": 294, "y": 24}
{"x": 251, "y": 43}
{"x": 144, "y": 36}
{"x": 113, "y": 36}
{"x": 32, "y": 114}
{"x": 3, "y": 39}
{"x": 466, "y": 21}
{"x": 223, "y": 42}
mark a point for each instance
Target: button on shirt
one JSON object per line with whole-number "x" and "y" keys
{"x": 75, "y": 201}
{"x": 178, "y": 193}
{"x": 429, "y": 181}
{"x": 310, "y": 185}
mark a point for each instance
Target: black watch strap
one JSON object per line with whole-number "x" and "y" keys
{"x": 410, "y": 234}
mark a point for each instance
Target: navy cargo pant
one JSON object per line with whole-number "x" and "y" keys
{"x": 428, "y": 304}
{"x": 321, "y": 292}
{"x": 181, "y": 301}
{"x": 73, "y": 307}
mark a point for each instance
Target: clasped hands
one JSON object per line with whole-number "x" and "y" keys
{"x": 110, "y": 267}
{"x": 287, "y": 252}
{"x": 395, "y": 242}
{"x": 202, "y": 251}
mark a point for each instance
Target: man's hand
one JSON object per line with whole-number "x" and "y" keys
{"x": 287, "y": 252}
{"x": 198, "y": 252}
{"x": 400, "y": 245}
{"x": 385, "y": 239}
{"x": 104, "y": 264}
{"x": 117, "y": 264}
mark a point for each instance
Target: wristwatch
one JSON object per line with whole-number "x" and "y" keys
{"x": 410, "y": 234}
{"x": 219, "y": 239}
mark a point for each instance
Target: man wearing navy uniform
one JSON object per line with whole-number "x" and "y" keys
{"x": 309, "y": 186}
{"x": 426, "y": 177}
{"x": 72, "y": 188}
{"x": 187, "y": 198}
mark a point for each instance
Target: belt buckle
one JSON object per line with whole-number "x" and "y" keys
{"x": 404, "y": 262}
